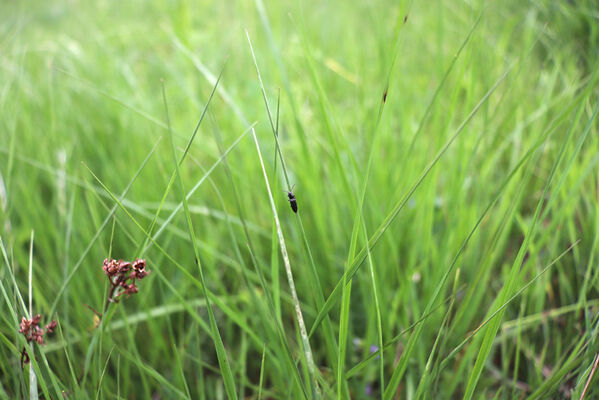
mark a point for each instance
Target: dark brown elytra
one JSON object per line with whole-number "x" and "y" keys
{"x": 292, "y": 200}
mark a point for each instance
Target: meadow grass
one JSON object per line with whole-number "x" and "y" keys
{"x": 444, "y": 156}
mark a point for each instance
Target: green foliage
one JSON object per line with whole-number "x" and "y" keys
{"x": 444, "y": 157}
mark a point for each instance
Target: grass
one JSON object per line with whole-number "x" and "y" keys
{"x": 444, "y": 157}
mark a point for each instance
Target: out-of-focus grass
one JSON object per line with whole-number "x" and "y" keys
{"x": 443, "y": 155}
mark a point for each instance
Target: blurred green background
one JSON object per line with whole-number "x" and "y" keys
{"x": 80, "y": 91}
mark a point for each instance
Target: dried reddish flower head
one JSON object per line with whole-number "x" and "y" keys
{"x": 110, "y": 267}
{"x": 51, "y": 326}
{"x": 122, "y": 276}
{"x": 33, "y": 333}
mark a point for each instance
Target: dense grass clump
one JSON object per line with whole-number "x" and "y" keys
{"x": 443, "y": 156}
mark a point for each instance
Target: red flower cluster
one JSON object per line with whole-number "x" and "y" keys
{"x": 33, "y": 333}
{"x": 31, "y": 330}
{"x": 122, "y": 276}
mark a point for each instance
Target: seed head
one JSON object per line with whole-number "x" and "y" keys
{"x": 33, "y": 333}
{"x": 122, "y": 276}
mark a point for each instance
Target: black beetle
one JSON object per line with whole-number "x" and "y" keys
{"x": 292, "y": 201}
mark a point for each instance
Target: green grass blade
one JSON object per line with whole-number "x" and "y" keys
{"x": 298, "y": 311}
{"x": 357, "y": 261}
{"x": 218, "y": 343}
{"x": 491, "y": 330}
